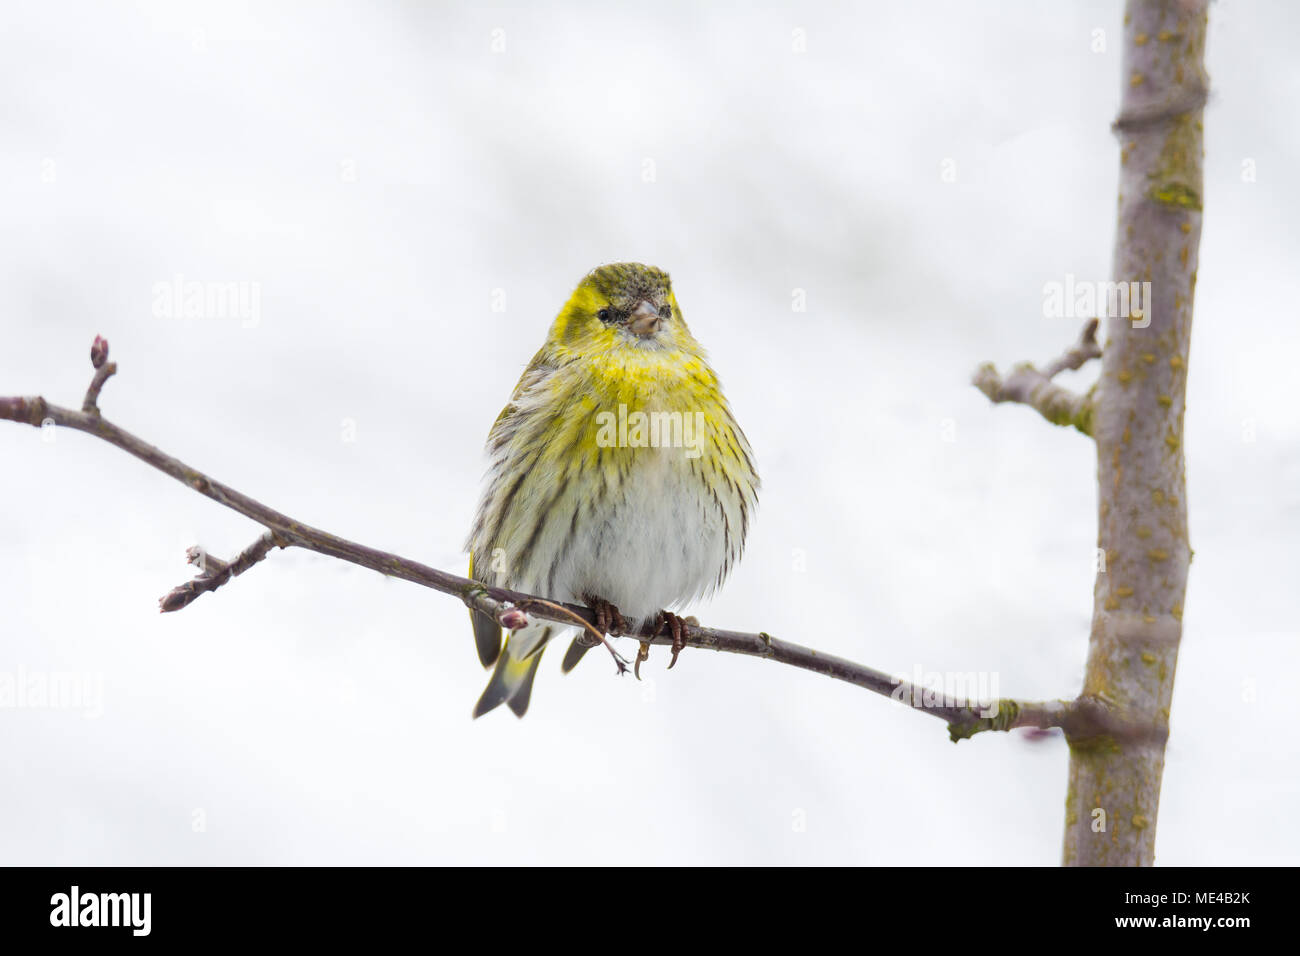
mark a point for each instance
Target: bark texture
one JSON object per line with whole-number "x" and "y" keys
{"x": 1114, "y": 778}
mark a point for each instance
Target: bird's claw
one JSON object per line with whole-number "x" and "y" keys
{"x": 609, "y": 620}
{"x": 677, "y": 628}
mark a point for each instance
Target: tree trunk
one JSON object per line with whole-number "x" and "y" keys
{"x": 1114, "y": 783}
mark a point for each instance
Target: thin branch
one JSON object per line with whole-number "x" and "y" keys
{"x": 507, "y": 607}
{"x": 577, "y": 620}
{"x": 206, "y": 563}
{"x": 1079, "y": 354}
{"x": 104, "y": 370}
{"x": 1026, "y": 385}
{"x": 216, "y": 572}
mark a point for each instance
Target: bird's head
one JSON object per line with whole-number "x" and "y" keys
{"x": 622, "y": 306}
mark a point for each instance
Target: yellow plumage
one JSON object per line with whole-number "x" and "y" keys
{"x": 618, "y": 472}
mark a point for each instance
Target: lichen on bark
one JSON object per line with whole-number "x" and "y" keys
{"x": 1137, "y": 421}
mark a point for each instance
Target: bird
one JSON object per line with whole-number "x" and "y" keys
{"x": 618, "y": 478}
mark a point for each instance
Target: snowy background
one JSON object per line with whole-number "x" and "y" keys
{"x": 386, "y": 175}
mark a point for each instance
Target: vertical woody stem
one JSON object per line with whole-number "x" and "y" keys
{"x": 1114, "y": 781}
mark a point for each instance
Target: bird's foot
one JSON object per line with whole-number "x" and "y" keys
{"x": 609, "y": 620}
{"x": 675, "y": 626}
{"x": 642, "y": 655}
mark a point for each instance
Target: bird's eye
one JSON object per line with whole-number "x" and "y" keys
{"x": 666, "y": 312}
{"x": 604, "y": 315}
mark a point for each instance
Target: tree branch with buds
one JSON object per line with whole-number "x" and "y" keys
{"x": 1026, "y": 385}
{"x": 512, "y": 609}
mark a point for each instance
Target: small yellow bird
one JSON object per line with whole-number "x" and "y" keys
{"x": 618, "y": 478}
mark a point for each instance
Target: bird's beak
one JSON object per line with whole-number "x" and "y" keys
{"x": 644, "y": 320}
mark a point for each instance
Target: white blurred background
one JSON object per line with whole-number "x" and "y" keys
{"x": 387, "y": 173}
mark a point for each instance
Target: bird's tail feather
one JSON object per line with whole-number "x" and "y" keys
{"x": 512, "y": 678}
{"x": 487, "y": 637}
{"x": 487, "y": 632}
{"x": 574, "y": 653}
